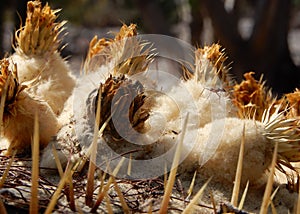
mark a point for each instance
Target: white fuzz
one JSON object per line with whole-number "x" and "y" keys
{"x": 50, "y": 78}
{"x": 19, "y": 124}
{"x": 222, "y": 163}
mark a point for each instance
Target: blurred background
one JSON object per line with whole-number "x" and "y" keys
{"x": 258, "y": 35}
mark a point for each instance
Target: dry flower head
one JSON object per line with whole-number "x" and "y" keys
{"x": 212, "y": 58}
{"x": 9, "y": 84}
{"x": 125, "y": 99}
{"x": 125, "y": 51}
{"x": 251, "y": 97}
{"x": 41, "y": 31}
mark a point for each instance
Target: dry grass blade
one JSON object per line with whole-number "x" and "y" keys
{"x": 241, "y": 204}
{"x": 267, "y": 194}
{"x": 106, "y": 187}
{"x": 34, "y": 208}
{"x": 190, "y": 190}
{"x": 171, "y": 180}
{"x": 92, "y": 165}
{"x": 7, "y": 168}
{"x": 190, "y": 207}
{"x": 238, "y": 175}
{"x": 121, "y": 196}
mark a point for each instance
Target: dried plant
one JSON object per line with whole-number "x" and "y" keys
{"x": 19, "y": 106}
{"x": 251, "y": 97}
{"x": 40, "y": 33}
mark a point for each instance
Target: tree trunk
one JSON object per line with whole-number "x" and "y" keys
{"x": 266, "y": 51}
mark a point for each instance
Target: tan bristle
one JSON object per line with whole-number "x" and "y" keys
{"x": 57, "y": 161}
{"x": 126, "y": 51}
{"x": 238, "y": 176}
{"x": 190, "y": 190}
{"x": 129, "y": 165}
{"x": 101, "y": 50}
{"x": 7, "y": 168}
{"x": 34, "y": 201}
{"x": 267, "y": 194}
{"x": 243, "y": 198}
{"x": 92, "y": 163}
{"x": 108, "y": 205}
{"x": 211, "y": 66}
{"x": 40, "y": 33}
{"x": 106, "y": 187}
{"x": 70, "y": 193}
{"x": 171, "y": 179}
{"x": 56, "y": 194}
{"x": 121, "y": 196}
{"x": 191, "y": 206}
{"x": 126, "y": 31}
{"x": 282, "y": 130}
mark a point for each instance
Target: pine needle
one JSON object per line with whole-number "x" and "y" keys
{"x": 267, "y": 194}
{"x": 171, "y": 180}
{"x": 34, "y": 201}
{"x": 238, "y": 175}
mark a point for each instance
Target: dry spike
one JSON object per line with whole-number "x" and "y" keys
{"x": 126, "y": 52}
{"x": 40, "y": 33}
{"x": 238, "y": 175}
{"x": 267, "y": 194}
{"x": 34, "y": 201}
{"x": 208, "y": 59}
{"x": 122, "y": 95}
{"x": 251, "y": 97}
{"x": 293, "y": 100}
{"x": 171, "y": 180}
